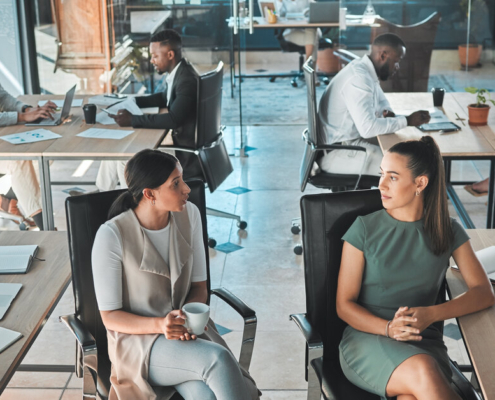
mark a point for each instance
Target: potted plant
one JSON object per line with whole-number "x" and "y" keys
{"x": 478, "y": 112}
{"x": 472, "y": 53}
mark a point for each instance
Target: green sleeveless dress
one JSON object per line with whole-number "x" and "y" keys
{"x": 400, "y": 270}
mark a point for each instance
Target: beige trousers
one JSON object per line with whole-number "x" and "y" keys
{"x": 109, "y": 175}
{"x": 24, "y": 183}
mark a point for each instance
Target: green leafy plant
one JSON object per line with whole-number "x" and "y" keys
{"x": 482, "y": 96}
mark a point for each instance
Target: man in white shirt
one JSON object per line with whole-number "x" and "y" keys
{"x": 180, "y": 99}
{"x": 354, "y": 110}
{"x": 24, "y": 182}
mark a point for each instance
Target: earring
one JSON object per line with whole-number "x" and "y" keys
{"x": 153, "y": 202}
{"x": 417, "y": 192}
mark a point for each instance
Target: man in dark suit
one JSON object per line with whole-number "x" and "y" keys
{"x": 180, "y": 99}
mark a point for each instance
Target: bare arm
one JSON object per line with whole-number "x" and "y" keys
{"x": 478, "y": 296}
{"x": 349, "y": 286}
{"x": 198, "y": 293}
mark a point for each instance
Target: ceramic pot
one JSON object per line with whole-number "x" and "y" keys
{"x": 473, "y": 56}
{"x": 329, "y": 63}
{"x": 478, "y": 115}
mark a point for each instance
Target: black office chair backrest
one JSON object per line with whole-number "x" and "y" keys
{"x": 213, "y": 155}
{"x": 310, "y": 135}
{"x": 85, "y": 215}
{"x": 325, "y": 219}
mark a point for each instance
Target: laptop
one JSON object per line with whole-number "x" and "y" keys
{"x": 58, "y": 118}
{"x": 324, "y": 11}
{"x": 8, "y": 291}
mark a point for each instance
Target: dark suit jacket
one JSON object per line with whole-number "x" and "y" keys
{"x": 181, "y": 116}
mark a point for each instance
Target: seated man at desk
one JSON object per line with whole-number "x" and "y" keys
{"x": 354, "y": 110}
{"x": 307, "y": 37}
{"x": 25, "y": 185}
{"x": 180, "y": 99}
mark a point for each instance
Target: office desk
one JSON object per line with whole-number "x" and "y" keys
{"x": 478, "y": 329}
{"x": 467, "y": 144}
{"x": 42, "y": 288}
{"x": 72, "y": 147}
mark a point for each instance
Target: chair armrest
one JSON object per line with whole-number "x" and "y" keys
{"x": 87, "y": 360}
{"x": 84, "y": 338}
{"x": 250, "y": 323}
{"x": 235, "y": 302}
{"x": 339, "y": 147}
{"x": 314, "y": 351}
{"x": 177, "y": 148}
{"x": 345, "y": 55}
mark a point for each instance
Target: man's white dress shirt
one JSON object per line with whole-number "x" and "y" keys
{"x": 353, "y": 104}
{"x": 170, "y": 82}
{"x": 351, "y": 111}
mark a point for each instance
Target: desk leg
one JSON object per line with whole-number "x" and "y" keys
{"x": 490, "y": 221}
{"x": 232, "y": 64}
{"x": 46, "y": 194}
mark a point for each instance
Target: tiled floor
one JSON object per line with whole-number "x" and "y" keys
{"x": 264, "y": 271}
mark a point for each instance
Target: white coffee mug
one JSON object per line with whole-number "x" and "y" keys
{"x": 197, "y": 315}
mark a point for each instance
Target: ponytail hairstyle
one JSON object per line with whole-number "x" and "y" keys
{"x": 148, "y": 169}
{"x": 425, "y": 159}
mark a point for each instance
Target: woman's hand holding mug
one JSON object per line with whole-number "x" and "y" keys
{"x": 173, "y": 326}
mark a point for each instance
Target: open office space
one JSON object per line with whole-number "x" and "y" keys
{"x": 180, "y": 178}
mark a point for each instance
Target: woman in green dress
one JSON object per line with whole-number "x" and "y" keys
{"x": 393, "y": 265}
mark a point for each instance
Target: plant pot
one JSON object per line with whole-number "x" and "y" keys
{"x": 473, "y": 56}
{"x": 478, "y": 115}
{"x": 329, "y": 63}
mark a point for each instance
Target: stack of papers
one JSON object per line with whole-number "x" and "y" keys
{"x": 96, "y": 133}
{"x": 38, "y": 135}
{"x": 17, "y": 259}
{"x": 8, "y": 337}
{"x": 101, "y": 100}
{"x": 60, "y": 103}
{"x": 129, "y": 105}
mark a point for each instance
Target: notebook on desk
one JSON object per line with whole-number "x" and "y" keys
{"x": 487, "y": 260}
{"x": 8, "y": 292}
{"x": 17, "y": 259}
{"x": 8, "y": 337}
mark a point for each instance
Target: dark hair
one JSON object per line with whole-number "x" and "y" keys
{"x": 390, "y": 40}
{"x": 148, "y": 169}
{"x": 425, "y": 159}
{"x": 171, "y": 38}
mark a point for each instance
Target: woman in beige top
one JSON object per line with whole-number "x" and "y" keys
{"x": 148, "y": 261}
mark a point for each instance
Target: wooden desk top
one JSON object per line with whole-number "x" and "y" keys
{"x": 42, "y": 288}
{"x": 469, "y": 141}
{"x": 70, "y": 145}
{"x": 478, "y": 329}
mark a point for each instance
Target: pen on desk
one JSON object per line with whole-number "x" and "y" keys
{"x": 460, "y": 119}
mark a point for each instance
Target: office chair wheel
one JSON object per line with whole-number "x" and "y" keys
{"x": 272, "y": 79}
{"x": 298, "y": 250}
{"x": 325, "y": 80}
{"x": 23, "y": 226}
{"x": 293, "y": 82}
{"x": 212, "y": 243}
{"x": 295, "y": 229}
{"x": 242, "y": 225}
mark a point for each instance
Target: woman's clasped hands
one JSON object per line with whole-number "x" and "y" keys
{"x": 408, "y": 323}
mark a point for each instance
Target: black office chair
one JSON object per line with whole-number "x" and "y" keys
{"x": 315, "y": 147}
{"x": 210, "y": 147}
{"x": 289, "y": 47}
{"x": 325, "y": 219}
{"x": 85, "y": 214}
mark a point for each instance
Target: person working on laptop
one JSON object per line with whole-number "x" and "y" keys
{"x": 180, "y": 99}
{"x": 24, "y": 181}
{"x": 307, "y": 37}
{"x": 354, "y": 110}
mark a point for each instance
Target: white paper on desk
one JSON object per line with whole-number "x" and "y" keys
{"x": 60, "y": 103}
{"x": 96, "y": 133}
{"x": 437, "y": 116}
{"x": 101, "y": 100}
{"x": 129, "y": 105}
{"x": 37, "y": 135}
